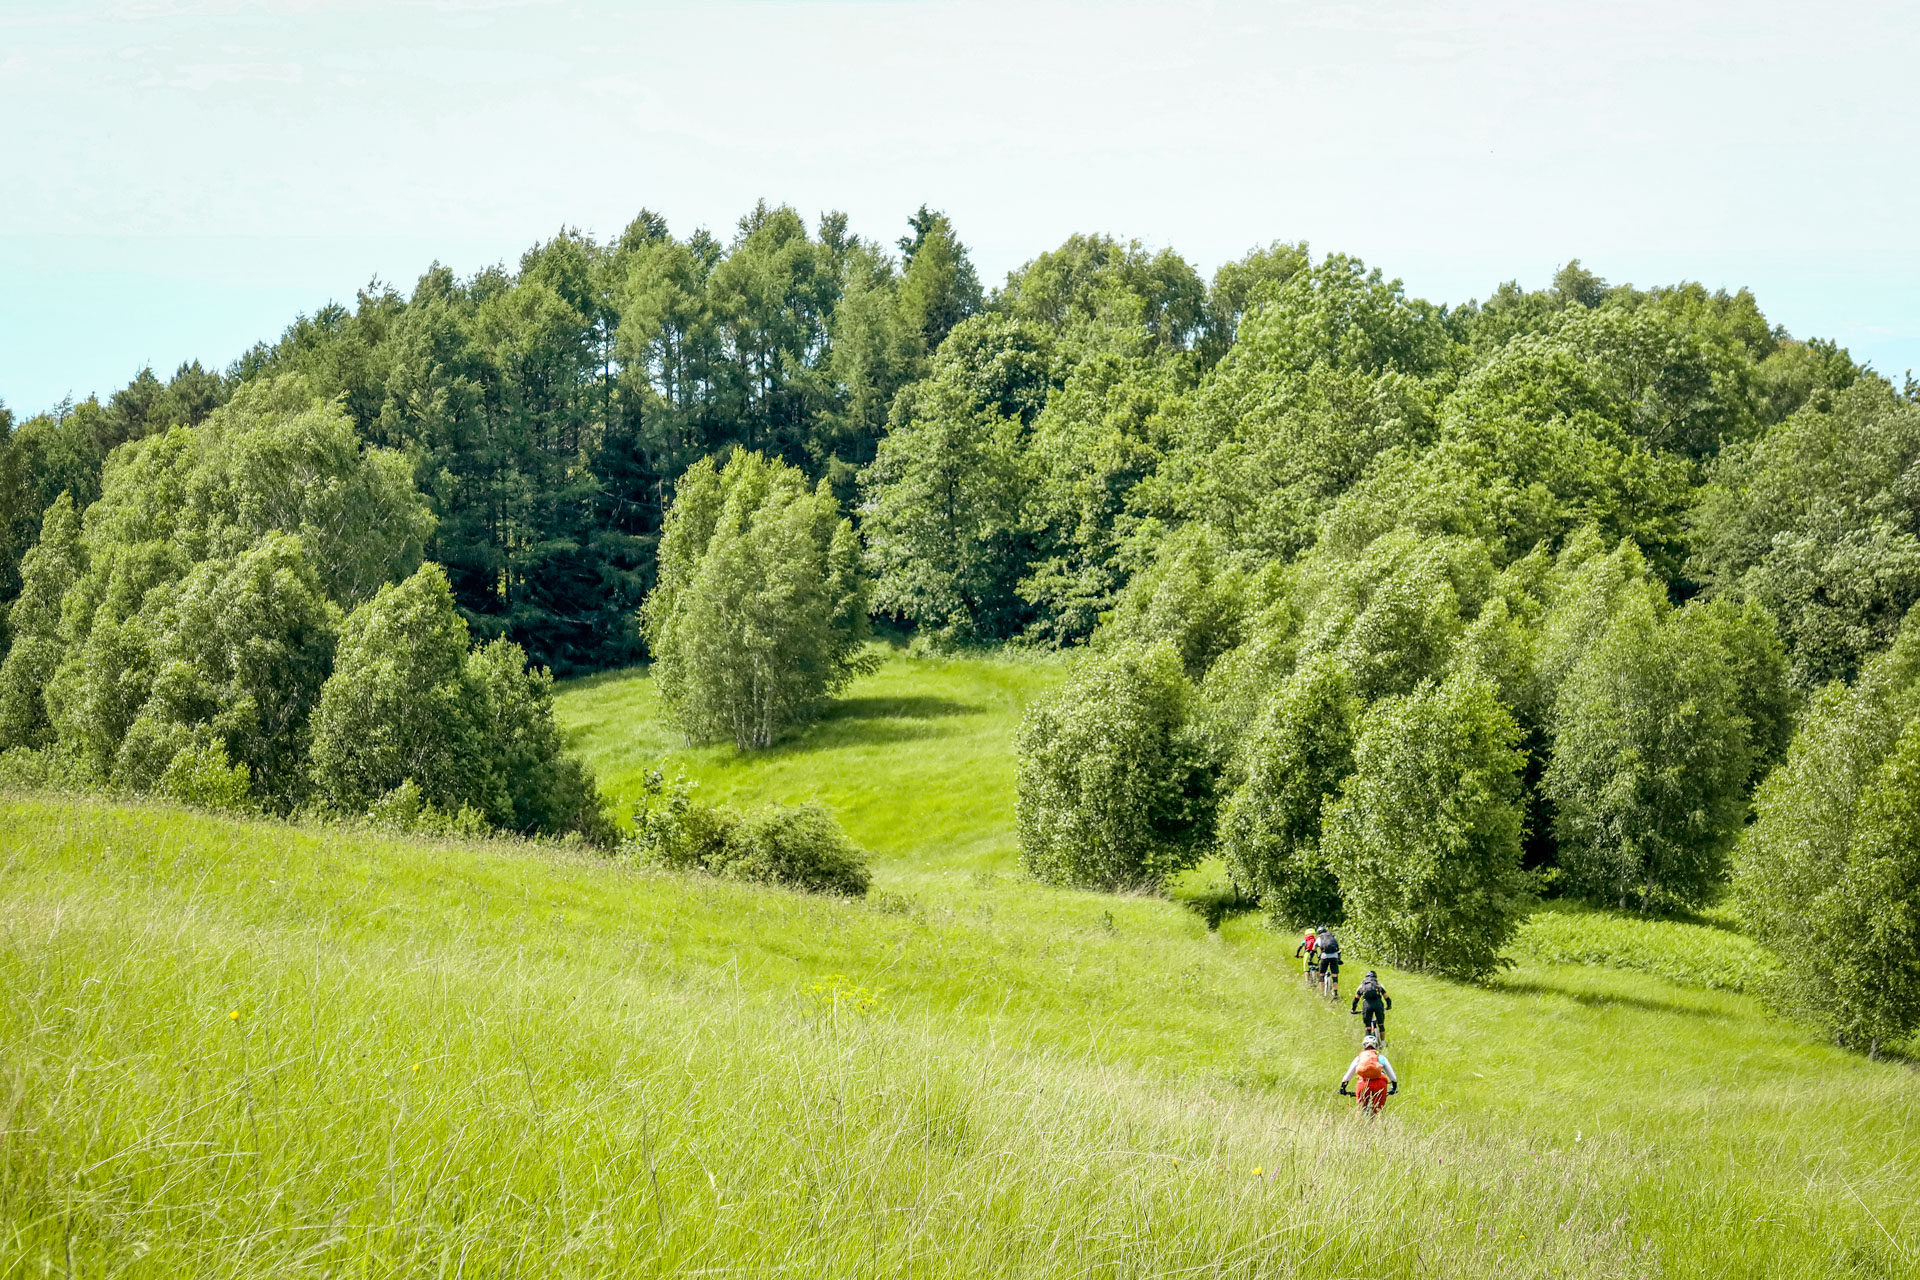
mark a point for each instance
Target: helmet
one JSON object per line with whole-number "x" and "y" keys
{"x": 1371, "y": 1042}
{"x": 1372, "y": 974}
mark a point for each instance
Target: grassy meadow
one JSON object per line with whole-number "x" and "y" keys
{"x": 915, "y": 759}
{"x": 245, "y": 1048}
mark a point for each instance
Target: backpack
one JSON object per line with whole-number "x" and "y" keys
{"x": 1369, "y": 990}
{"x": 1370, "y": 1068}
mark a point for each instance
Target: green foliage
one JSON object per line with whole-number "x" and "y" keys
{"x": 1654, "y": 750}
{"x": 1828, "y": 875}
{"x": 799, "y": 846}
{"x": 1393, "y": 615}
{"x": 1818, "y": 520}
{"x": 1101, "y": 435}
{"x": 1425, "y": 838}
{"x": 274, "y": 460}
{"x": 406, "y": 809}
{"x": 1876, "y": 904}
{"x": 945, "y": 514}
{"x": 213, "y": 561}
{"x": 203, "y": 777}
{"x": 534, "y": 785}
{"x": 1291, "y": 770}
{"x": 1116, "y": 784}
{"x": 1091, "y": 282}
{"x": 48, "y": 572}
{"x": 397, "y": 706}
{"x": 761, "y": 611}
{"x": 1340, "y": 313}
{"x": 1189, "y": 599}
{"x": 796, "y": 846}
{"x": 416, "y": 728}
{"x": 241, "y": 649}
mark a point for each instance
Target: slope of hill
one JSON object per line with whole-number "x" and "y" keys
{"x": 915, "y": 759}
{"x": 250, "y": 1049}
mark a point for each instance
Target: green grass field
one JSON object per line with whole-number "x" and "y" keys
{"x": 238, "y": 1048}
{"x": 915, "y": 760}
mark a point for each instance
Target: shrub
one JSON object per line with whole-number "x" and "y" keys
{"x": 1116, "y": 785}
{"x": 798, "y": 846}
{"x": 44, "y": 769}
{"x": 203, "y": 777}
{"x": 672, "y": 831}
{"x": 405, "y": 809}
{"x": 1426, "y": 835}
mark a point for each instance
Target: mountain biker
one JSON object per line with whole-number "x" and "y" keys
{"x": 1328, "y": 948}
{"x": 1309, "y": 947}
{"x": 1376, "y": 1077}
{"x": 1371, "y": 999}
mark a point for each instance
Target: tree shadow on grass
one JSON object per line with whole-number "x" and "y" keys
{"x": 908, "y": 707}
{"x": 868, "y": 722}
{"x": 1215, "y": 905}
{"x": 1595, "y": 1000}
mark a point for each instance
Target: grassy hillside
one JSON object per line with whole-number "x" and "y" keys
{"x": 250, "y": 1049}
{"x": 914, "y": 759}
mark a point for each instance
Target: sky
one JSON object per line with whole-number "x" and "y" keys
{"x": 180, "y": 178}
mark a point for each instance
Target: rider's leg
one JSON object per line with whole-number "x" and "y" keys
{"x": 1372, "y": 1096}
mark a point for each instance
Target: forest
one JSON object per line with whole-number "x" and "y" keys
{"x": 1411, "y": 612}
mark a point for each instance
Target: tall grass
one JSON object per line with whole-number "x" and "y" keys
{"x": 492, "y": 1060}
{"x": 1705, "y": 951}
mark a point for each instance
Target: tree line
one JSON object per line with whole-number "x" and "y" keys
{"x": 1409, "y": 611}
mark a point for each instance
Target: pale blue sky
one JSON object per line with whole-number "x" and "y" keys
{"x": 178, "y": 178}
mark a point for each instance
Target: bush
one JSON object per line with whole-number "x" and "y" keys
{"x": 406, "y": 809}
{"x": 1116, "y": 785}
{"x": 45, "y": 769}
{"x": 798, "y": 846}
{"x": 1426, "y": 836}
{"x": 203, "y": 777}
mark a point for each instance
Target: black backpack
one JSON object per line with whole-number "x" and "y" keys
{"x": 1369, "y": 991}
